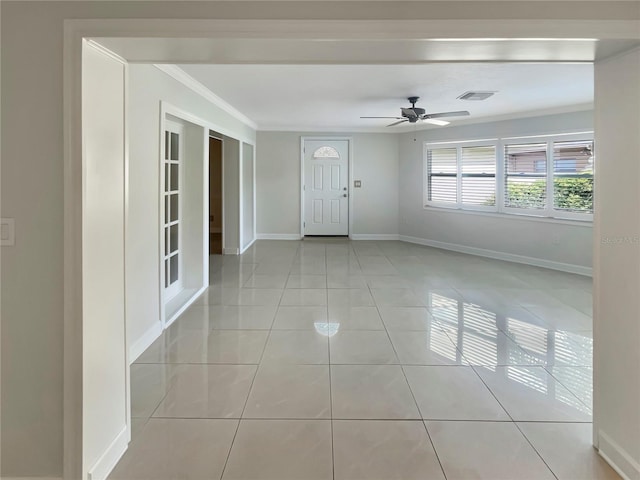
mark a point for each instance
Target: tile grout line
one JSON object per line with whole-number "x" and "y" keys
{"x": 373, "y": 419}
{"x": 333, "y": 455}
{"x": 424, "y": 425}
{"x": 546, "y": 369}
{"x": 226, "y": 462}
{"x": 515, "y": 424}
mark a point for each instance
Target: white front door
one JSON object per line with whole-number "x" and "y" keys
{"x": 325, "y": 189}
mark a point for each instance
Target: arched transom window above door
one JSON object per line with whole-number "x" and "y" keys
{"x": 326, "y": 152}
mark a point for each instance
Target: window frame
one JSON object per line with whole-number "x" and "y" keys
{"x": 549, "y": 212}
{"x": 458, "y": 145}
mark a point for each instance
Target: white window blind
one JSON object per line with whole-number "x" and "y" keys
{"x": 543, "y": 176}
{"x": 573, "y": 176}
{"x": 525, "y": 176}
{"x": 479, "y": 175}
{"x": 442, "y": 175}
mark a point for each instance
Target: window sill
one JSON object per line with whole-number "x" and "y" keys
{"x": 512, "y": 216}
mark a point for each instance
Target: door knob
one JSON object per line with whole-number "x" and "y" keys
{"x": 345, "y": 195}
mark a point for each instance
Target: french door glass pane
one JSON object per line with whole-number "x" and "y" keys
{"x": 173, "y": 207}
{"x": 173, "y": 238}
{"x": 166, "y": 241}
{"x": 175, "y": 184}
{"x": 166, "y": 145}
{"x": 175, "y": 144}
{"x": 166, "y": 209}
{"x": 173, "y": 269}
{"x": 166, "y": 273}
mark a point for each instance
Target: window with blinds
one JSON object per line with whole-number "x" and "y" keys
{"x": 573, "y": 176}
{"x": 546, "y": 176}
{"x": 442, "y": 175}
{"x": 525, "y": 168}
{"x": 478, "y": 175}
{"x": 461, "y": 176}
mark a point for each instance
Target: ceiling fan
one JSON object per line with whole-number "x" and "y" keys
{"x": 413, "y": 114}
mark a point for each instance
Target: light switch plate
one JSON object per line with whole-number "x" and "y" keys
{"x": 357, "y": 183}
{"x": 7, "y": 232}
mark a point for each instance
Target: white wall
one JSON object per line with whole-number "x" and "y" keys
{"x": 104, "y": 384}
{"x": 548, "y": 242}
{"x": 195, "y": 225}
{"x": 248, "y": 235}
{"x": 617, "y": 268}
{"x": 375, "y": 163}
{"x": 231, "y": 156}
{"x": 148, "y": 86}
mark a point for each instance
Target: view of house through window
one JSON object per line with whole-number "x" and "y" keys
{"x": 550, "y": 177}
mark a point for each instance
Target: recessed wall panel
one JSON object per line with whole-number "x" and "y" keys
{"x": 335, "y": 177}
{"x": 335, "y": 210}
{"x": 317, "y": 210}
{"x": 317, "y": 177}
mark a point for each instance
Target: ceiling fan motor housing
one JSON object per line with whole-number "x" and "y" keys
{"x": 414, "y": 118}
{"x": 418, "y": 111}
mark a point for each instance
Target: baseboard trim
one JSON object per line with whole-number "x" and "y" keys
{"x": 509, "y": 257}
{"x": 278, "y": 236}
{"x": 103, "y": 466}
{"x": 248, "y": 246}
{"x": 618, "y": 457}
{"x": 184, "y": 306}
{"x": 142, "y": 343}
{"x": 374, "y": 236}
{"x": 230, "y": 251}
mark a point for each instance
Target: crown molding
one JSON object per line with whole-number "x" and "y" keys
{"x": 188, "y": 81}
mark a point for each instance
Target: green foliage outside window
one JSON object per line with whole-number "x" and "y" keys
{"x": 574, "y": 193}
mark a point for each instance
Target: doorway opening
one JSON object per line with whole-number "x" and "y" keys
{"x": 215, "y": 196}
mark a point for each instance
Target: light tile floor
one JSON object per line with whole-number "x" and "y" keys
{"x": 333, "y": 359}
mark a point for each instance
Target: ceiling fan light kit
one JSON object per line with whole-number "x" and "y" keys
{"x": 415, "y": 114}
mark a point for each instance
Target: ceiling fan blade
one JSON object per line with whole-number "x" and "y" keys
{"x": 461, "y": 113}
{"x": 408, "y": 112}
{"x": 435, "y": 121}
{"x": 397, "y": 118}
{"x": 397, "y": 123}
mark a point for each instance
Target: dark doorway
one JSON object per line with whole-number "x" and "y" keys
{"x": 215, "y": 196}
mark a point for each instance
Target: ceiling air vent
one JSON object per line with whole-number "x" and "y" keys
{"x": 475, "y": 95}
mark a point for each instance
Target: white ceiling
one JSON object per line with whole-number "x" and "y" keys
{"x": 319, "y": 81}
{"x": 333, "y": 97}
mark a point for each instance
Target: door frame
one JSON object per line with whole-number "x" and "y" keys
{"x": 241, "y": 246}
{"x": 349, "y": 140}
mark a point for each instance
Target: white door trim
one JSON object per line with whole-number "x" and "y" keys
{"x": 349, "y": 141}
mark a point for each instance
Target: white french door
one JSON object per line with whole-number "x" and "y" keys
{"x": 325, "y": 189}
{"x": 172, "y": 204}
